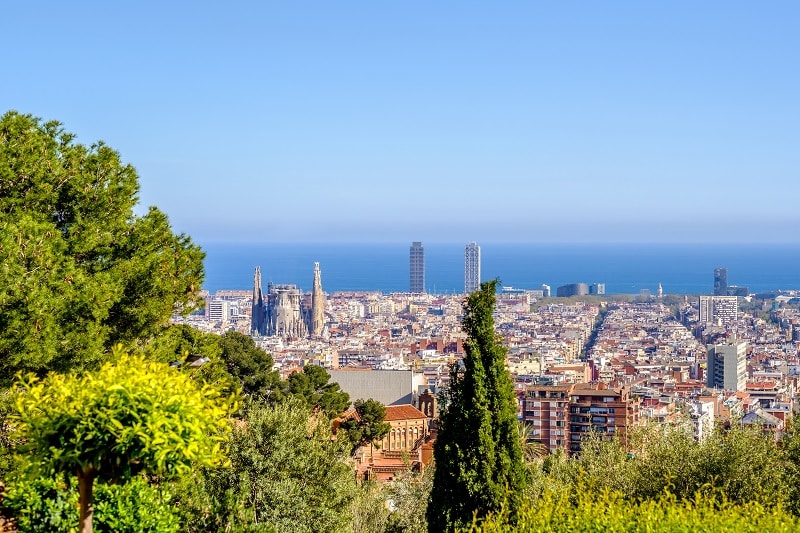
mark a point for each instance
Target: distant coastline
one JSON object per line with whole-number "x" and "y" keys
{"x": 624, "y": 268}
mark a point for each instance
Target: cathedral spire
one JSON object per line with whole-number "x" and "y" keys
{"x": 317, "y": 304}
{"x": 258, "y": 321}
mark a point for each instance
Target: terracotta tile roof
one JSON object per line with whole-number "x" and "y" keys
{"x": 403, "y": 412}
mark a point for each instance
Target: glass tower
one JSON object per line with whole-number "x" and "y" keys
{"x": 472, "y": 268}
{"x": 417, "y": 268}
{"x": 720, "y": 281}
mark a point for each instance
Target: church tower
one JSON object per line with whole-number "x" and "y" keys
{"x": 317, "y": 304}
{"x": 258, "y": 323}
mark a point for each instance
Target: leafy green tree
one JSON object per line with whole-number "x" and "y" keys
{"x": 790, "y": 447}
{"x": 408, "y": 496}
{"x": 369, "y": 510}
{"x": 739, "y": 464}
{"x": 177, "y": 341}
{"x": 129, "y": 417}
{"x": 181, "y": 343}
{"x": 314, "y": 387}
{"x": 287, "y": 474}
{"x": 250, "y": 366}
{"x": 369, "y": 426}
{"x": 479, "y": 463}
{"x": 47, "y": 504}
{"x": 80, "y": 270}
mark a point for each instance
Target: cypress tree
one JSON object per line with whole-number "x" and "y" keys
{"x": 478, "y": 455}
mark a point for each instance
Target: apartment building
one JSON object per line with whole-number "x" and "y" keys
{"x": 561, "y": 415}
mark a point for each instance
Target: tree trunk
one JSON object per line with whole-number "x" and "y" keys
{"x": 85, "y": 486}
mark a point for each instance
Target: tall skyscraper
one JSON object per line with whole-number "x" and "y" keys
{"x": 317, "y": 304}
{"x": 417, "y": 268}
{"x": 720, "y": 281}
{"x": 472, "y": 268}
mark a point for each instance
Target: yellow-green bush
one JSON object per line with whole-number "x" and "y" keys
{"x": 609, "y": 512}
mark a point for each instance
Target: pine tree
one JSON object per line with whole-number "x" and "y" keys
{"x": 478, "y": 456}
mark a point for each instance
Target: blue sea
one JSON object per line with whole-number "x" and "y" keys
{"x": 624, "y": 268}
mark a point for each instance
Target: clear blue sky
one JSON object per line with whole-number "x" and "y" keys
{"x": 433, "y": 121}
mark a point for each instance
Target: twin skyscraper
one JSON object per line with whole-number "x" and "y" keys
{"x": 416, "y": 268}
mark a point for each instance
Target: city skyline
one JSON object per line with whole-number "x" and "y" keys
{"x": 269, "y": 122}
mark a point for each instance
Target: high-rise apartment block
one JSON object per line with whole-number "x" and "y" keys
{"x": 217, "y": 310}
{"x": 719, "y": 310}
{"x": 611, "y": 412}
{"x": 417, "y": 268}
{"x": 561, "y": 416}
{"x": 720, "y": 281}
{"x": 472, "y": 268}
{"x": 726, "y": 366}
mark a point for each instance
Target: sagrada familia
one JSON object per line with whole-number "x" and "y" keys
{"x": 285, "y": 311}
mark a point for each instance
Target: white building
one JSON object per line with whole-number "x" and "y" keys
{"x": 719, "y": 310}
{"x": 217, "y": 310}
{"x": 702, "y": 417}
{"x": 727, "y": 366}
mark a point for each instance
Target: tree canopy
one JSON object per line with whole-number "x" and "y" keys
{"x": 250, "y": 365}
{"x": 130, "y": 416}
{"x": 368, "y": 426}
{"x": 81, "y": 271}
{"x": 313, "y": 385}
{"x": 478, "y": 455}
{"x": 286, "y": 473}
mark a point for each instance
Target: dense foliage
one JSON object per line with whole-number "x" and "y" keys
{"x": 318, "y": 392}
{"x": 286, "y": 472}
{"x": 588, "y": 510}
{"x": 743, "y": 464}
{"x": 49, "y": 504}
{"x": 79, "y": 270}
{"x": 368, "y": 427}
{"x": 250, "y": 366}
{"x": 130, "y": 416}
{"x": 663, "y": 480}
{"x": 478, "y": 454}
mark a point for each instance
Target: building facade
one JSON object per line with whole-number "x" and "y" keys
{"x": 546, "y": 409}
{"x": 726, "y": 366}
{"x": 285, "y": 311}
{"x": 610, "y": 412}
{"x": 472, "y": 268}
{"x": 416, "y": 268}
{"x": 562, "y": 415}
{"x": 719, "y": 310}
{"x": 720, "y": 281}
{"x": 573, "y": 289}
{"x": 597, "y": 288}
